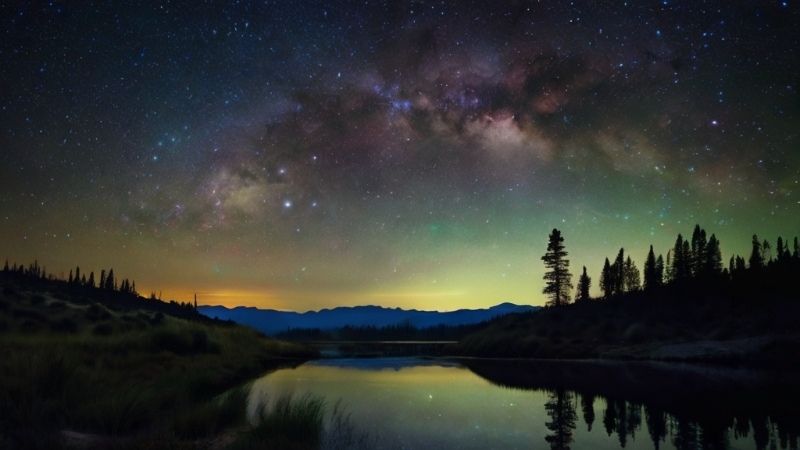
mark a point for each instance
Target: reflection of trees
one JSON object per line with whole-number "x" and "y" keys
{"x": 587, "y": 406}
{"x": 561, "y": 411}
{"x": 656, "y": 424}
{"x": 685, "y": 436}
{"x": 691, "y": 410}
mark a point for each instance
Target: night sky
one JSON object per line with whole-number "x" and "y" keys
{"x": 297, "y": 155}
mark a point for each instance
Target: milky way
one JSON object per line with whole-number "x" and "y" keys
{"x": 299, "y": 155}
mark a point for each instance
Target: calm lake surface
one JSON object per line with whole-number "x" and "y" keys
{"x": 412, "y": 403}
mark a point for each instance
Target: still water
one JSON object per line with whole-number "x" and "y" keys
{"x": 412, "y": 403}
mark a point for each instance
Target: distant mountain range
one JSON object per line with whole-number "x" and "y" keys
{"x": 271, "y": 321}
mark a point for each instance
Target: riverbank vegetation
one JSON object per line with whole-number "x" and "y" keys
{"x": 97, "y": 366}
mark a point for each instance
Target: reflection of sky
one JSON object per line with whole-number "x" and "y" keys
{"x": 430, "y": 405}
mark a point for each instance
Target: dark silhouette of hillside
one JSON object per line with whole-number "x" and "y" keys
{"x": 690, "y": 308}
{"x": 79, "y": 288}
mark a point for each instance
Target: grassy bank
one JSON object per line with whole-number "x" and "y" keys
{"x": 78, "y": 362}
{"x": 751, "y": 321}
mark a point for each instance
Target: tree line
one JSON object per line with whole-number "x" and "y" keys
{"x": 76, "y": 279}
{"x": 698, "y": 257}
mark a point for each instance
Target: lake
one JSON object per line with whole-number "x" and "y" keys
{"x": 413, "y": 403}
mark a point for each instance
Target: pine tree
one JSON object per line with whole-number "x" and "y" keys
{"x": 796, "y": 249}
{"x": 584, "y": 284}
{"x": 77, "y": 275}
{"x": 669, "y": 268}
{"x": 650, "y": 270}
{"x": 69, "y": 280}
{"x": 619, "y": 272}
{"x": 780, "y": 251}
{"x": 633, "y": 280}
{"x": 5, "y": 267}
{"x": 713, "y": 257}
{"x": 698, "y": 252}
{"x": 740, "y": 265}
{"x": 756, "y": 260}
{"x": 90, "y": 282}
{"x": 766, "y": 252}
{"x": 687, "y": 260}
{"x": 111, "y": 283}
{"x": 607, "y": 280}
{"x": 680, "y": 256}
{"x": 558, "y": 280}
{"x": 659, "y": 279}
{"x": 102, "y": 284}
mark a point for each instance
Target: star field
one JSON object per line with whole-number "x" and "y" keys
{"x": 300, "y": 155}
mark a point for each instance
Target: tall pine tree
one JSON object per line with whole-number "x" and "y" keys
{"x": 650, "y": 270}
{"x": 607, "y": 280}
{"x": 756, "y": 259}
{"x": 558, "y": 280}
{"x": 584, "y": 284}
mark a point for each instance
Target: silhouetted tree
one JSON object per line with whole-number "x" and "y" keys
{"x": 656, "y": 425}
{"x": 766, "y": 252}
{"x": 77, "y": 278}
{"x": 698, "y": 252}
{"x": 669, "y": 270}
{"x": 659, "y": 279}
{"x": 90, "y": 282}
{"x": 681, "y": 260}
{"x": 756, "y": 259}
{"x": 5, "y": 267}
{"x": 796, "y": 253}
{"x": 69, "y": 280}
{"x": 607, "y": 280}
{"x": 560, "y": 410}
{"x": 740, "y": 265}
{"x": 781, "y": 252}
{"x": 587, "y": 406}
{"x": 584, "y": 284}
{"x": 111, "y": 283}
{"x": 102, "y": 284}
{"x": 632, "y": 277}
{"x": 558, "y": 280}
{"x": 713, "y": 257}
{"x": 650, "y": 270}
{"x": 619, "y": 272}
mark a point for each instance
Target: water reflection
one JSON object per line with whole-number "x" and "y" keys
{"x": 413, "y": 403}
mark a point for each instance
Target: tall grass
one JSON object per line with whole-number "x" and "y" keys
{"x": 144, "y": 375}
{"x": 299, "y": 423}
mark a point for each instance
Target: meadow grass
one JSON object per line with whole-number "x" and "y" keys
{"x": 121, "y": 374}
